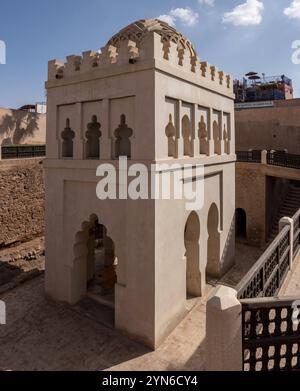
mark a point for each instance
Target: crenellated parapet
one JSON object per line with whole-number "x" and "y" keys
{"x": 140, "y": 42}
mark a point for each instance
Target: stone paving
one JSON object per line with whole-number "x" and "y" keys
{"x": 44, "y": 335}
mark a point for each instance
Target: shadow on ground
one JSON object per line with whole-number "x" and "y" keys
{"x": 43, "y": 335}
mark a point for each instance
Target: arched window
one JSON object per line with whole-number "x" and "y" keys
{"x": 217, "y": 138}
{"x": 67, "y": 136}
{"x": 171, "y": 135}
{"x": 187, "y": 136}
{"x": 93, "y": 135}
{"x": 123, "y": 144}
{"x": 203, "y": 137}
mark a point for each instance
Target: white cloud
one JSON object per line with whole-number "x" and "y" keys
{"x": 168, "y": 19}
{"x": 247, "y": 14}
{"x": 211, "y": 3}
{"x": 184, "y": 15}
{"x": 293, "y": 11}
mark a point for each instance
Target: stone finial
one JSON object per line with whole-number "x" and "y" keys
{"x": 55, "y": 69}
{"x": 109, "y": 55}
{"x": 204, "y": 65}
{"x": 90, "y": 60}
{"x": 213, "y": 72}
{"x": 228, "y": 81}
{"x": 166, "y": 50}
{"x": 73, "y": 64}
{"x": 170, "y": 52}
{"x": 127, "y": 51}
{"x": 194, "y": 63}
{"x": 184, "y": 57}
{"x": 133, "y": 50}
{"x": 221, "y": 77}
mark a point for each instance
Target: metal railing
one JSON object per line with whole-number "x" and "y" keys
{"x": 23, "y": 151}
{"x": 273, "y": 158}
{"x": 249, "y": 156}
{"x": 271, "y": 335}
{"x": 271, "y": 326}
{"x": 266, "y": 277}
{"x": 296, "y": 219}
{"x": 283, "y": 159}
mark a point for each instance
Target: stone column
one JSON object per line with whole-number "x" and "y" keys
{"x": 264, "y": 155}
{"x": 78, "y": 142}
{"x": 290, "y": 222}
{"x": 195, "y": 135}
{"x": 224, "y": 331}
{"x": 211, "y": 143}
{"x": 107, "y": 139}
{"x": 180, "y": 151}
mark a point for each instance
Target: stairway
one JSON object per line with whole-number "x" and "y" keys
{"x": 290, "y": 206}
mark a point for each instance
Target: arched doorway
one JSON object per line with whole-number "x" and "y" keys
{"x": 213, "y": 243}
{"x": 240, "y": 224}
{"x": 101, "y": 265}
{"x": 191, "y": 241}
{"x": 94, "y": 251}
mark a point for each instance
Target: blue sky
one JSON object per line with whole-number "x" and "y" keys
{"x": 255, "y": 36}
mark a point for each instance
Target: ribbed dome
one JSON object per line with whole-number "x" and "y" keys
{"x": 138, "y": 30}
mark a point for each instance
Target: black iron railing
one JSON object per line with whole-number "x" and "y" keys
{"x": 23, "y": 151}
{"x": 283, "y": 159}
{"x": 274, "y": 158}
{"x": 271, "y": 335}
{"x": 249, "y": 156}
{"x": 268, "y": 274}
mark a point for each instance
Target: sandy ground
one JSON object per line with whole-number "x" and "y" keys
{"x": 20, "y": 263}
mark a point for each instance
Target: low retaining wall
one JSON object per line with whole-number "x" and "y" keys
{"x": 22, "y": 194}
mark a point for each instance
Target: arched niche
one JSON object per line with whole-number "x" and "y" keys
{"x": 93, "y": 135}
{"x": 67, "y": 136}
{"x": 187, "y": 136}
{"x": 171, "y": 135}
{"x": 217, "y": 138}
{"x": 123, "y": 143}
{"x": 203, "y": 137}
{"x": 226, "y": 138}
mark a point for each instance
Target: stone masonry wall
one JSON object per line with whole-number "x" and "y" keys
{"x": 22, "y": 193}
{"x": 251, "y": 196}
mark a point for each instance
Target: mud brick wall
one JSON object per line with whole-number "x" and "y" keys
{"x": 22, "y": 200}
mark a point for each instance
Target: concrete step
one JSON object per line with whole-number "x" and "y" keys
{"x": 290, "y": 206}
{"x": 289, "y": 211}
{"x": 292, "y": 202}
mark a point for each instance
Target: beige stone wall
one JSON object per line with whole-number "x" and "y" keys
{"x": 275, "y": 128}
{"x": 21, "y": 127}
{"x": 251, "y": 196}
{"x": 260, "y": 191}
{"x": 21, "y": 201}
